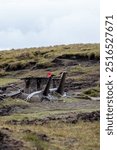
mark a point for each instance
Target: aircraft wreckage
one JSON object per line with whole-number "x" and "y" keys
{"x": 35, "y": 90}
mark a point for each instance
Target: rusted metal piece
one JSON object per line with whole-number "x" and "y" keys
{"x": 60, "y": 88}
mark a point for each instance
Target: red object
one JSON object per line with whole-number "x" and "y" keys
{"x": 49, "y": 74}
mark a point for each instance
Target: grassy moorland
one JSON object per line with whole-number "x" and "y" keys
{"x": 31, "y": 133}
{"x": 52, "y": 125}
{"x": 43, "y": 57}
{"x": 81, "y": 61}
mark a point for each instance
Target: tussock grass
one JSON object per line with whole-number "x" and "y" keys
{"x": 12, "y": 102}
{"x": 62, "y": 136}
{"x": 36, "y": 141}
{"x": 84, "y": 69}
{"x": 94, "y": 92}
{"x": 3, "y": 73}
{"x": 21, "y": 58}
{"x": 6, "y": 81}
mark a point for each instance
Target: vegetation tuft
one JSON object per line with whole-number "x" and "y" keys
{"x": 28, "y": 58}
{"x": 94, "y": 92}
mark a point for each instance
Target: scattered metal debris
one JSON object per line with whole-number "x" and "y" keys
{"x": 35, "y": 90}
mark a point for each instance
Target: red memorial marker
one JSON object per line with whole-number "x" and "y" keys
{"x": 49, "y": 74}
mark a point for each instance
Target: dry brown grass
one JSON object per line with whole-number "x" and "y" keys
{"x": 79, "y": 136}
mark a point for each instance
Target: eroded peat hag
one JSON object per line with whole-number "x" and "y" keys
{"x": 42, "y": 108}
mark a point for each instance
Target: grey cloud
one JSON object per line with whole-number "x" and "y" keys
{"x": 28, "y": 23}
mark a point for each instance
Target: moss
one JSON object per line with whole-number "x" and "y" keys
{"x": 94, "y": 92}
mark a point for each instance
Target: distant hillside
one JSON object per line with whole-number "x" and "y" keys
{"x": 44, "y": 57}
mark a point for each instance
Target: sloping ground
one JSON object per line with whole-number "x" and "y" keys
{"x": 69, "y": 123}
{"x": 45, "y": 57}
{"x": 81, "y": 61}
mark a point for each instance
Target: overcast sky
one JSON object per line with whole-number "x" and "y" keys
{"x": 35, "y": 23}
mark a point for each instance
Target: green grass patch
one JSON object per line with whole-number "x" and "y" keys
{"x": 6, "y": 81}
{"x": 13, "y": 102}
{"x": 3, "y": 73}
{"x": 36, "y": 141}
{"x": 94, "y": 92}
{"x": 42, "y": 114}
{"x": 84, "y": 69}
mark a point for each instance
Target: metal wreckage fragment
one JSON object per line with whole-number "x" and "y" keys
{"x": 32, "y": 94}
